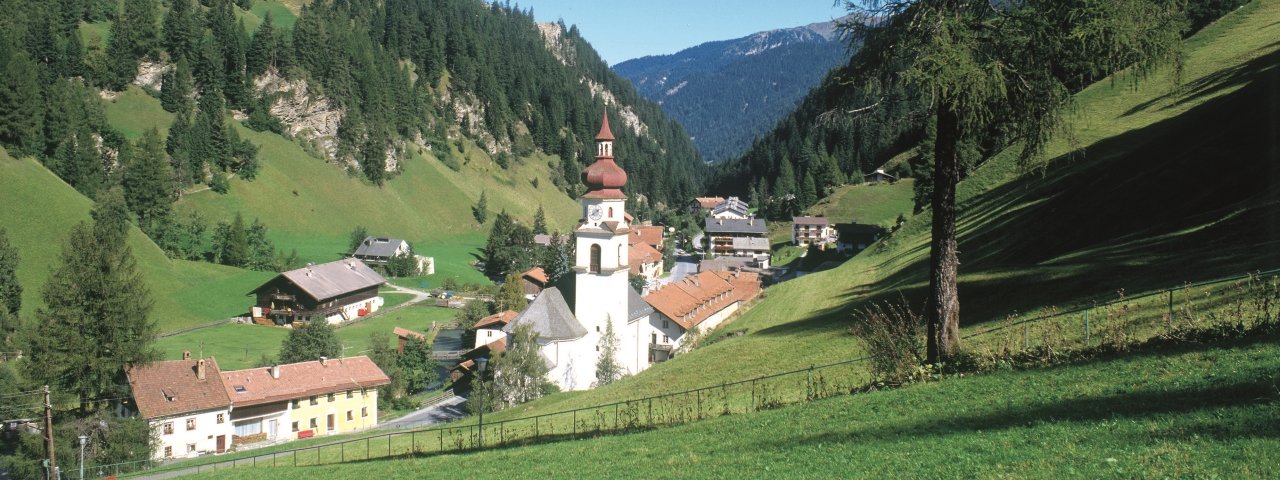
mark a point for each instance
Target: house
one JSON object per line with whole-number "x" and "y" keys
{"x": 304, "y": 399}
{"x": 534, "y": 280}
{"x": 185, "y": 404}
{"x": 731, "y": 208}
{"x": 335, "y": 291}
{"x": 879, "y": 176}
{"x": 379, "y": 250}
{"x": 403, "y": 335}
{"x": 703, "y": 205}
{"x": 647, "y": 234}
{"x": 726, "y": 264}
{"x": 542, "y": 239}
{"x": 645, "y": 261}
{"x": 746, "y": 237}
{"x": 489, "y": 329}
{"x": 855, "y": 237}
{"x": 807, "y": 231}
{"x": 702, "y": 302}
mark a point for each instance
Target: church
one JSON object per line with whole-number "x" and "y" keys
{"x": 570, "y": 318}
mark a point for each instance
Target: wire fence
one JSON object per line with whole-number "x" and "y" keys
{"x": 1127, "y": 318}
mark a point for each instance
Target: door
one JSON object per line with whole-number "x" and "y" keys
{"x": 222, "y": 444}
{"x": 271, "y": 428}
{"x": 329, "y": 422}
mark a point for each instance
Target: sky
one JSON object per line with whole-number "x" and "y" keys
{"x": 623, "y": 30}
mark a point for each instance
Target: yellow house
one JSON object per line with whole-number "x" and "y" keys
{"x": 305, "y": 399}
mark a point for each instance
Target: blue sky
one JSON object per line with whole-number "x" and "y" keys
{"x": 622, "y": 30}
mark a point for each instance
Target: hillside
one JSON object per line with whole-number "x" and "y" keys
{"x": 1136, "y": 213}
{"x": 725, "y": 93}
{"x": 40, "y": 210}
{"x": 1208, "y": 413}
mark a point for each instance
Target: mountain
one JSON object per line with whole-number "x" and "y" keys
{"x": 395, "y": 115}
{"x": 726, "y": 93}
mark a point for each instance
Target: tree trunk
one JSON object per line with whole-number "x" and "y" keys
{"x": 944, "y": 298}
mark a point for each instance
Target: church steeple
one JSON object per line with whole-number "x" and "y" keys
{"x": 604, "y": 178}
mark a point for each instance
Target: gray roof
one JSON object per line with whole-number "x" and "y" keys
{"x": 636, "y": 306}
{"x": 328, "y": 280}
{"x": 734, "y": 225}
{"x": 550, "y": 317}
{"x": 810, "y": 220}
{"x": 733, "y": 205}
{"x": 741, "y": 243}
{"x": 378, "y": 247}
{"x": 542, "y": 239}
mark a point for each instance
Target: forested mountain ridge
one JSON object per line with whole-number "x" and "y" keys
{"x": 728, "y": 92}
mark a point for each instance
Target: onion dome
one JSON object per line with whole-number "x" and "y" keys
{"x": 604, "y": 178}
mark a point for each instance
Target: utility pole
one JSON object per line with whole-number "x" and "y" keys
{"x": 48, "y": 433}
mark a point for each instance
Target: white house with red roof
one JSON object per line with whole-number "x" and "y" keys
{"x": 185, "y": 404}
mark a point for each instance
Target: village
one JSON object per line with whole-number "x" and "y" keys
{"x": 195, "y": 408}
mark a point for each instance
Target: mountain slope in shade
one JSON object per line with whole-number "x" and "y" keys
{"x": 725, "y": 93}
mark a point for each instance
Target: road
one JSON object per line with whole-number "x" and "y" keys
{"x": 446, "y": 411}
{"x": 685, "y": 265}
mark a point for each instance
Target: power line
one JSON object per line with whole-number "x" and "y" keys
{"x": 24, "y": 394}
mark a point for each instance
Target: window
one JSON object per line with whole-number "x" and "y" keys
{"x": 191, "y": 448}
{"x": 297, "y": 404}
{"x": 349, "y": 392}
{"x": 168, "y": 451}
{"x": 666, "y": 323}
{"x": 610, "y": 212}
{"x": 295, "y": 426}
{"x": 595, "y": 259}
{"x": 168, "y": 428}
{"x": 666, "y": 339}
{"x": 330, "y": 398}
{"x": 313, "y": 422}
{"x": 191, "y": 424}
{"x": 314, "y": 401}
{"x": 350, "y": 417}
{"x": 364, "y": 411}
{"x": 251, "y": 427}
{"x": 221, "y": 419}
{"x": 620, "y": 262}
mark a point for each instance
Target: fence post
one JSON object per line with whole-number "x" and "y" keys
{"x": 414, "y": 442}
{"x": 536, "y": 422}
{"x": 753, "y": 394}
{"x": 650, "y": 412}
{"x": 808, "y": 384}
{"x": 441, "y": 440}
{"x": 699, "y": 404}
{"x": 575, "y": 424}
{"x": 1026, "y": 330}
{"x": 1171, "y": 306}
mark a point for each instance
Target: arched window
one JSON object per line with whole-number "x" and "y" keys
{"x": 620, "y": 262}
{"x": 595, "y": 259}
{"x": 610, "y": 212}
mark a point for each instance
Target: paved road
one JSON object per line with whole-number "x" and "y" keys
{"x": 418, "y": 295}
{"x": 684, "y": 266}
{"x": 446, "y": 411}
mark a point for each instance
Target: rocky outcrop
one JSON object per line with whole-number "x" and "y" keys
{"x": 306, "y": 116}
{"x": 150, "y": 74}
{"x": 558, "y": 45}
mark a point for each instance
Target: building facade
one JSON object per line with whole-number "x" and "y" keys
{"x": 335, "y": 292}
{"x": 807, "y": 231}
{"x": 185, "y": 404}
{"x": 304, "y": 399}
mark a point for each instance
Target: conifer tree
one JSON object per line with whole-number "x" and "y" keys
{"x": 176, "y": 88}
{"x": 148, "y": 181}
{"x": 481, "y": 209}
{"x": 540, "y": 222}
{"x": 21, "y": 104}
{"x": 511, "y": 295}
{"x": 95, "y": 321}
{"x": 608, "y": 369}
{"x": 180, "y": 31}
{"x": 310, "y": 342}
{"x": 263, "y": 49}
{"x": 10, "y": 289}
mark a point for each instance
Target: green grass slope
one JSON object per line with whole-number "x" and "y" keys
{"x": 1174, "y": 185}
{"x": 1202, "y": 411}
{"x": 868, "y": 203}
{"x": 39, "y": 212}
{"x": 312, "y": 206}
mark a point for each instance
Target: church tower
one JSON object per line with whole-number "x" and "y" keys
{"x": 601, "y": 263}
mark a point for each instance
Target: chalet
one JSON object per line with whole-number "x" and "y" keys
{"x": 807, "y": 231}
{"x": 703, "y": 205}
{"x": 645, "y": 261}
{"x": 304, "y": 399}
{"x": 855, "y": 237}
{"x": 379, "y": 250}
{"x": 731, "y": 208}
{"x": 334, "y": 291}
{"x": 185, "y": 404}
{"x": 534, "y": 280}
{"x": 489, "y": 329}
{"x": 702, "y": 302}
{"x": 739, "y": 237}
{"x": 880, "y": 176}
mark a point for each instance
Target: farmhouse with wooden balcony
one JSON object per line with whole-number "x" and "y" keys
{"x": 335, "y": 292}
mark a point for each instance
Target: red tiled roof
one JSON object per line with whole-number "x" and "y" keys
{"x": 406, "y": 333}
{"x": 303, "y": 379}
{"x": 168, "y": 388}
{"x": 501, "y": 319}
{"x": 709, "y": 202}
{"x": 650, "y": 235}
{"x": 536, "y": 274}
{"x": 693, "y": 299}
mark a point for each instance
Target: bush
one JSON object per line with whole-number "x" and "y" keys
{"x": 890, "y": 333}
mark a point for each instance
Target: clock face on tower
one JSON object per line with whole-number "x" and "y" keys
{"x": 594, "y": 212}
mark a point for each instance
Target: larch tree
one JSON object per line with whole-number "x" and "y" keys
{"x": 984, "y": 63}
{"x": 511, "y": 294}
